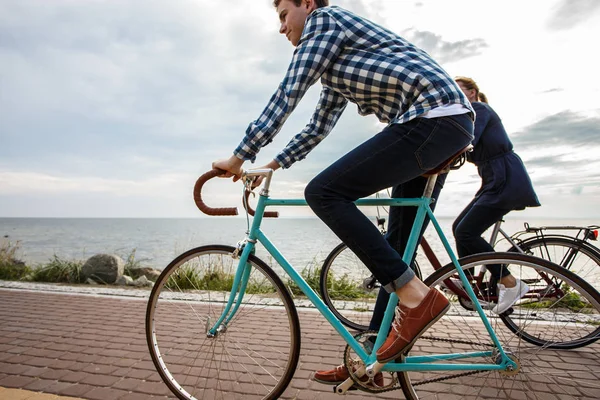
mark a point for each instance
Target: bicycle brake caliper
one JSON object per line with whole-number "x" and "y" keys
{"x": 239, "y": 248}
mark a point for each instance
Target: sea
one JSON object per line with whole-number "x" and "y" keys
{"x": 154, "y": 242}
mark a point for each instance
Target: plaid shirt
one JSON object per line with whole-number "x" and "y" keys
{"x": 357, "y": 61}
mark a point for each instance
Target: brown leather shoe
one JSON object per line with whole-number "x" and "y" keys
{"x": 339, "y": 374}
{"x": 410, "y": 323}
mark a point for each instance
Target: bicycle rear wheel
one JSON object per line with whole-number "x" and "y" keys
{"x": 542, "y": 316}
{"x": 254, "y": 355}
{"x": 576, "y": 256}
{"x": 349, "y": 289}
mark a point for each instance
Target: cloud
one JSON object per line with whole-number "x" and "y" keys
{"x": 570, "y": 13}
{"x": 442, "y": 50}
{"x": 566, "y": 128}
{"x": 560, "y": 154}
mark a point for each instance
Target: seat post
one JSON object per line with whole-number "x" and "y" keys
{"x": 430, "y": 185}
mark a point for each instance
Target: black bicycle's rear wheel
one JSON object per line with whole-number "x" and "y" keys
{"x": 575, "y": 255}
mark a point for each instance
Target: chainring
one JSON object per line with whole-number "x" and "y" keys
{"x": 353, "y": 364}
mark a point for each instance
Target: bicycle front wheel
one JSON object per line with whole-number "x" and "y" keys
{"x": 576, "y": 256}
{"x": 252, "y": 355}
{"x": 349, "y": 289}
{"x": 560, "y": 311}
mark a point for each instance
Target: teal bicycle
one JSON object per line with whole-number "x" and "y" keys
{"x": 221, "y": 324}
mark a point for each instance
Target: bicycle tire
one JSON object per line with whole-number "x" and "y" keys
{"x": 343, "y": 290}
{"x": 463, "y": 331}
{"x": 253, "y": 356}
{"x": 576, "y": 255}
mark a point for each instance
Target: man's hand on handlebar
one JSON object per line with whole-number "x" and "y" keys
{"x": 232, "y": 166}
{"x": 271, "y": 165}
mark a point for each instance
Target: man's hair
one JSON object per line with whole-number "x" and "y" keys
{"x": 319, "y": 3}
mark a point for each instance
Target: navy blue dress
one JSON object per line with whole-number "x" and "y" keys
{"x": 505, "y": 182}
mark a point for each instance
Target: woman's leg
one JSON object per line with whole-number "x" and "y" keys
{"x": 461, "y": 250}
{"x": 469, "y": 227}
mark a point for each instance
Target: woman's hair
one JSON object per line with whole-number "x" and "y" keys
{"x": 319, "y": 3}
{"x": 471, "y": 85}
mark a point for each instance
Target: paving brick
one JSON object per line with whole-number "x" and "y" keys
{"x": 16, "y": 381}
{"x": 105, "y": 393}
{"x": 128, "y": 384}
{"x": 74, "y": 376}
{"x": 99, "y": 380}
{"x": 39, "y": 385}
{"x": 100, "y": 369}
{"x": 13, "y": 369}
{"x": 76, "y": 390}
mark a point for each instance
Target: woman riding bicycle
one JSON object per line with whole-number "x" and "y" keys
{"x": 428, "y": 120}
{"x": 505, "y": 187}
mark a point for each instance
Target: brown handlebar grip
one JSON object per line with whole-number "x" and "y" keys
{"x": 198, "y": 195}
{"x": 267, "y": 214}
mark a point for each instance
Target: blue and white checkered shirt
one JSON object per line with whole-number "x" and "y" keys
{"x": 357, "y": 61}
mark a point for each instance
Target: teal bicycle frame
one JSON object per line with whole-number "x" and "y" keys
{"x": 410, "y": 363}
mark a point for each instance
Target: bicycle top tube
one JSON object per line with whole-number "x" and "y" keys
{"x": 248, "y": 178}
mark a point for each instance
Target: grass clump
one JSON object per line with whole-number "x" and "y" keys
{"x": 190, "y": 277}
{"x": 570, "y": 300}
{"x": 59, "y": 271}
{"x": 12, "y": 269}
{"x": 345, "y": 288}
{"x": 311, "y": 275}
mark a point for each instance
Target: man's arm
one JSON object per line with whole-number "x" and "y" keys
{"x": 330, "y": 107}
{"x": 318, "y": 48}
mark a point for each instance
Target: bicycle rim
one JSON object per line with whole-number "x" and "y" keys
{"x": 253, "y": 356}
{"x": 342, "y": 287}
{"x": 542, "y": 370}
{"x": 349, "y": 289}
{"x": 576, "y": 256}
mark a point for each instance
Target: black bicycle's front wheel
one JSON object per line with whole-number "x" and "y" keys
{"x": 253, "y": 355}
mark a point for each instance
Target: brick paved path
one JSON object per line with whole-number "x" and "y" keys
{"x": 93, "y": 347}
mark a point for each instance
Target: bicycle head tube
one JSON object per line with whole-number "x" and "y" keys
{"x": 266, "y": 172}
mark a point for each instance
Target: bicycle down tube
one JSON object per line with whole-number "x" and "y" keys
{"x": 255, "y": 235}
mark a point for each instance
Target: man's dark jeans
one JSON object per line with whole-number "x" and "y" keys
{"x": 400, "y": 223}
{"x": 398, "y": 154}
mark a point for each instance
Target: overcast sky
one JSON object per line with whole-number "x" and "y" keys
{"x": 114, "y": 108}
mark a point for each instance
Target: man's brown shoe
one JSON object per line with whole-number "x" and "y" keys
{"x": 339, "y": 374}
{"x": 410, "y": 323}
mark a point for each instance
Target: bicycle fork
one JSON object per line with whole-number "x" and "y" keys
{"x": 238, "y": 288}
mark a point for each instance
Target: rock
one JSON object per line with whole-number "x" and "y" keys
{"x": 142, "y": 281}
{"x": 150, "y": 273}
{"x": 124, "y": 280}
{"x": 90, "y": 281}
{"x": 103, "y": 268}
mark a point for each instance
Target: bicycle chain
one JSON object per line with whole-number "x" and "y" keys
{"x": 455, "y": 341}
{"x": 424, "y": 382}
